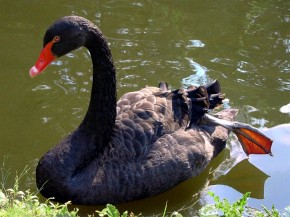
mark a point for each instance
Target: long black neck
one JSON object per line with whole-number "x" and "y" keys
{"x": 99, "y": 120}
{"x": 78, "y": 149}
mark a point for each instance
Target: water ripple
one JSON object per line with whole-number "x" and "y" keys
{"x": 284, "y": 67}
{"x": 286, "y": 43}
{"x": 200, "y": 76}
{"x": 223, "y": 61}
{"x": 123, "y": 31}
{"x": 245, "y": 67}
{"x": 57, "y": 83}
{"x": 41, "y": 87}
{"x": 195, "y": 43}
{"x": 284, "y": 85}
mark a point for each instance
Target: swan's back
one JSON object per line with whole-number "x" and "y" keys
{"x": 153, "y": 148}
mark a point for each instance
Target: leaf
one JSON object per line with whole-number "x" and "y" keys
{"x": 110, "y": 211}
{"x": 113, "y": 211}
{"x": 125, "y": 214}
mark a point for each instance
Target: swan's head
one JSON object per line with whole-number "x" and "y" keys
{"x": 63, "y": 36}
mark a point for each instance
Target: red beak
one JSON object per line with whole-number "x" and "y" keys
{"x": 45, "y": 58}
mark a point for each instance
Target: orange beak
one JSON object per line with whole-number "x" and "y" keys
{"x": 45, "y": 58}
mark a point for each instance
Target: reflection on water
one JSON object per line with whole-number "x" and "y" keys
{"x": 285, "y": 108}
{"x": 198, "y": 78}
{"x": 243, "y": 44}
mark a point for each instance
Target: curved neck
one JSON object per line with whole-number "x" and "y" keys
{"x": 100, "y": 118}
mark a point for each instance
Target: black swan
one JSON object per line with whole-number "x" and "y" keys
{"x": 144, "y": 144}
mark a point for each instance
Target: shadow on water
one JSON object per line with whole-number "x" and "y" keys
{"x": 244, "y": 177}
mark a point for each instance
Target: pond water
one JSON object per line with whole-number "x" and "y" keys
{"x": 243, "y": 44}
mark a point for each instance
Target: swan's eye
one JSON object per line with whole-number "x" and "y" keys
{"x": 56, "y": 38}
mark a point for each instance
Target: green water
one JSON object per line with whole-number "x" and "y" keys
{"x": 243, "y": 44}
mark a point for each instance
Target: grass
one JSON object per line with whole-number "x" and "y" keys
{"x": 17, "y": 203}
{"x": 238, "y": 208}
{"x": 14, "y": 202}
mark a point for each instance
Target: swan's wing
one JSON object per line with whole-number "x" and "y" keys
{"x": 158, "y": 107}
{"x": 126, "y": 102}
{"x": 183, "y": 154}
{"x": 156, "y": 111}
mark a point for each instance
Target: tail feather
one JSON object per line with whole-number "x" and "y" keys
{"x": 163, "y": 86}
{"x": 198, "y": 104}
{"x": 215, "y": 95}
{"x": 202, "y": 99}
{"x": 180, "y": 106}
